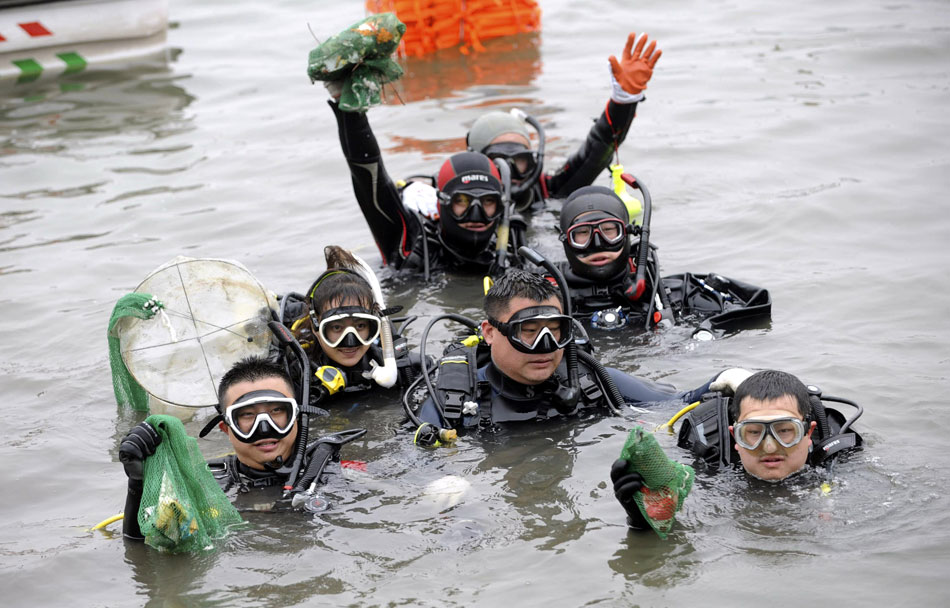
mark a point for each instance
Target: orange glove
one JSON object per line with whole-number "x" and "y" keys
{"x": 634, "y": 72}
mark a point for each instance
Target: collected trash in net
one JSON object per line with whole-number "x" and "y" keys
{"x": 360, "y": 57}
{"x": 183, "y": 509}
{"x": 666, "y": 483}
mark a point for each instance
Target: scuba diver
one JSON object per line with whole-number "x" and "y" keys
{"x": 267, "y": 428}
{"x": 452, "y": 221}
{"x": 523, "y": 374}
{"x": 504, "y": 135}
{"x": 612, "y": 271}
{"x": 342, "y": 325}
{"x": 774, "y": 426}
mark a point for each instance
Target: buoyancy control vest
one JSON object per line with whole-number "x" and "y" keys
{"x": 704, "y": 431}
{"x": 471, "y": 391}
{"x": 716, "y": 302}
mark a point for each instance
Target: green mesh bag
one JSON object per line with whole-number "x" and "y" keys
{"x": 665, "y": 482}
{"x": 361, "y": 57}
{"x": 127, "y": 390}
{"x": 183, "y": 509}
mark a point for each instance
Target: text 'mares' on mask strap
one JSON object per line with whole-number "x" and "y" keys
{"x": 601, "y": 213}
{"x": 258, "y": 415}
{"x": 537, "y": 329}
{"x": 476, "y": 176}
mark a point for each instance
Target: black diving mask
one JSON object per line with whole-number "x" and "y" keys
{"x": 537, "y": 329}
{"x": 787, "y": 432}
{"x": 522, "y": 160}
{"x": 260, "y": 415}
{"x": 349, "y": 327}
{"x": 473, "y": 206}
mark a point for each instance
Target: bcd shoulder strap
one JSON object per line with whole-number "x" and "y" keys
{"x": 705, "y": 431}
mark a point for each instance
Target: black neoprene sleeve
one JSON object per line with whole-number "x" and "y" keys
{"x": 595, "y": 154}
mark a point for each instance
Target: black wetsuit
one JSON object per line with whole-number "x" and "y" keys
{"x": 501, "y": 399}
{"x": 404, "y": 237}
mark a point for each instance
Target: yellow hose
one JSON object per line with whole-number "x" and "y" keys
{"x": 669, "y": 425}
{"x": 105, "y": 522}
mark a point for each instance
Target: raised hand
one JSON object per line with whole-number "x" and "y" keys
{"x": 633, "y": 72}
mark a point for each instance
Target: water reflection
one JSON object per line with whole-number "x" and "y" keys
{"x": 512, "y": 60}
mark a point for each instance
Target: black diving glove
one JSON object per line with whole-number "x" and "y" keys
{"x": 626, "y": 486}
{"x": 138, "y": 445}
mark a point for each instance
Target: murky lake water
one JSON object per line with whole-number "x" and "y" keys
{"x": 801, "y": 147}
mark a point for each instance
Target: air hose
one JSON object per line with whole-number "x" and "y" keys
{"x": 471, "y": 324}
{"x": 528, "y": 182}
{"x": 853, "y": 418}
{"x": 644, "y": 249}
{"x": 287, "y": 340}
{"x": 614, "y": 399}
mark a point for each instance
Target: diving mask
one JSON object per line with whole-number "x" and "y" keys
{"x": 603, "y": 234}
{"x": 475, "y": 207}
{"x": 537, "y": 329}
{"x": 265, "y": 414}
{"x": 786, "y": 431}
{"x": 521, "y": 159}
{"x": 348, "y": 326}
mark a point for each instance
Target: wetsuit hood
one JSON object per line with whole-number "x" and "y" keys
{"x": 475, "y": 174}
{"x": 491, "y": 125}
{"x": 600, "y": 203}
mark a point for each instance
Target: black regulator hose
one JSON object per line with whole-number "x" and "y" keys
{"x": 471, "y": 324}
{"x": 818, "y": 410}
{"x": 528, "y": 182}
{"x": 405, "y": 402}
{"x": 287, "y": 340}
{"x": 613, "y": 397}
{"x": 639, "y": 281}
{"x": 853, "y": 418}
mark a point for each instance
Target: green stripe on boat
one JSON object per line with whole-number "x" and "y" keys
{"x": 74, "y": 62}
{"x": 30, "y": 70}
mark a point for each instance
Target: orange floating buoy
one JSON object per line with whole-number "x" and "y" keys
{"x": 432, "y": 25}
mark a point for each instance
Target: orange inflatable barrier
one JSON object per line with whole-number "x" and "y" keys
{"x": 440, "y": 24}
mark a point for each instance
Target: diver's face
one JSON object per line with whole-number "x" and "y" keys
{"x": 257, "y": 454}
{"x": 461, "y": 204}
{"x": 770, "y": 460}
{"x": 526, "y": 368}
{"x": 583, "y": 229}
{"x": 343, "y": 356}
{"x": 520, "y": 164}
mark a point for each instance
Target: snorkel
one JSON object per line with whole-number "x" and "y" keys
{"x": 504, "y": 226}
{"x": 529, "y": 180}
{"x": 386, "y": 374}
